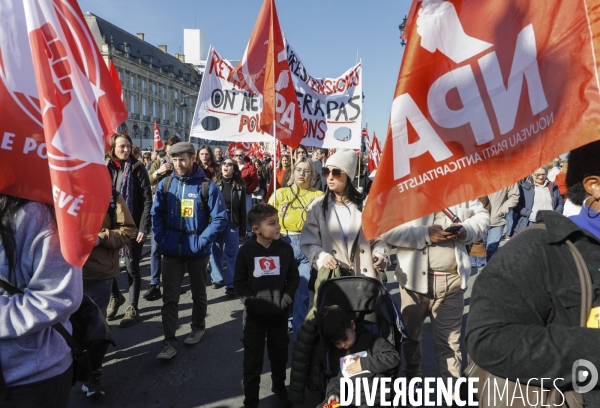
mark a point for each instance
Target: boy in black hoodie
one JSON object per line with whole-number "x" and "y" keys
{"x": 266, "y": 278}
{"x": 355, "y": 353}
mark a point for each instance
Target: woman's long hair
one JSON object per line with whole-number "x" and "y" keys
{"x": 350, "y": 192}
{"x": 212, "y": 166}
{"x": 281, "y": 158}
{"x": 237, "y": 175}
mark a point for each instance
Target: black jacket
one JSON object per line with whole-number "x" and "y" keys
{"x": 142, "y": 198}
{"x": 524, "y": 315}
{"x": 238, "y": 206}
{"x": 382, "y": 360}
{"x": 267, "y": 292}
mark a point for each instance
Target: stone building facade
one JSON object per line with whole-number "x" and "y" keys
{"x": 156, "y": 86}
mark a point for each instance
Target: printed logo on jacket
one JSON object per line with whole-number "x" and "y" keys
{"x": 266, "y": 266}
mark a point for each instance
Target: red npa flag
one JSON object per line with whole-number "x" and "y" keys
{"x": 374, "y": 154}
{"x": 487, "y": 92}
{"x": 158, "y": 143}
{"x": 58, "y": 104}
{"x": 264, "y": 70}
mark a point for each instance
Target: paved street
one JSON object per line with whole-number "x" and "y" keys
{"x": 207, "y": 374}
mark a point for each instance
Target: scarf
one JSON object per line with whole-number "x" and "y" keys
{"x": 127, "y": 193}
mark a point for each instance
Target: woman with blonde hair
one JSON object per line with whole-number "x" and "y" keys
{"x": 292, "y": 203}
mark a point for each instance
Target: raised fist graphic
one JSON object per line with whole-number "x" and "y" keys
{"x": 283, "y": 81}
{"x": 440, "y": 29}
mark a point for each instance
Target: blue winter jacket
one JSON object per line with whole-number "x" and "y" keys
{"x": 523, "y": 208}
{"x": 187, "y": 231}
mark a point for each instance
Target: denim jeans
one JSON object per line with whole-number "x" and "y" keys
{"x": 302, "y": 293}
{"x": 494, "y": 236}
{"x": 478, "y": 261}
{"x": 510, "y": 218}
{"x": 248, "y": 207}
{"x": 226, "y": 243}
{"x": 155, "y": 262}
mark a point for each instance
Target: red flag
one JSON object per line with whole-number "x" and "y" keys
{"x": 365, "y": 134}
{"x": 158, "y": 143}
{"x": 374, "y": 154}
{"x": 264, "y": 70}
{"x": 478, "y": 104}
{"x": 231, "y": 149}
{"x": 114, "y": 74}
{"x": 58, "y": 104}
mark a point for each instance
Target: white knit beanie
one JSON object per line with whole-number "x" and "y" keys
{"x": 344, "y": 160}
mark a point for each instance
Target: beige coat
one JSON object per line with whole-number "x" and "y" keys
{"x": 412, "y": 240}
{"x": 322, "y": 236}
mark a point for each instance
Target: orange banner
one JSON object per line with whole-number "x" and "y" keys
{"x": 487, "y": 92}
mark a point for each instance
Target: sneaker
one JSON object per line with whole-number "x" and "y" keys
{"x": 114, "y": 305}
{"x": 230, "y": 292}
{"x": 167, "y": 352}
{"x": 93, "y": 388}
{"x": 131, "y": 317}
{"x": 217, "y": 285}
{"x": 152, "y": 293}
{"x": 194, "y": 337}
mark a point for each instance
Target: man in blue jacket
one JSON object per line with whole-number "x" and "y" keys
{"x": 188, "y": 214}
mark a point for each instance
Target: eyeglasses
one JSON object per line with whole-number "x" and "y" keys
{"x": 238, "y": 155}
{"x": 302, "y": 171}
{"x": 336, "y": 173}
{"x": 227, "y": 164}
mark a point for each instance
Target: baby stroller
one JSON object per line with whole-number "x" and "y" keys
{"x": 372, "y": 307}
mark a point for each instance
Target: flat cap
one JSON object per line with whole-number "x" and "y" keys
{"x": 182, "y": 147}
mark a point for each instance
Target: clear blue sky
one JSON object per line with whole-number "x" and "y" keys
{"x": 326, "y": 34}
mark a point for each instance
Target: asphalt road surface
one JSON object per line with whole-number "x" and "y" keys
{"x": 207, "y": 374}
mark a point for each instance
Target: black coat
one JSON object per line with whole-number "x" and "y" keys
{"x": 238, "y": 206}
{"x": 525, "y": 306}
{"x": 142, "y": 196}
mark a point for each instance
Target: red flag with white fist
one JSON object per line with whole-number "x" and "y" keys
{"x": 374, "y": 154}
{"x": 58, "y": 105}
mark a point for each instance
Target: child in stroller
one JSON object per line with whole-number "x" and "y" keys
{"x": 368, "y": 305}
{"x": 357, "y": 352}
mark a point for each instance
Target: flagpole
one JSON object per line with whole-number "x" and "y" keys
{"x": 359, "y": 160}
{"x": 275, "y": 164}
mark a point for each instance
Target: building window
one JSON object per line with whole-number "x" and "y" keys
{"x": 144, "y": 86}
{"x": 131, "y": 103}
{"x": 163, "y": 91}
{"x": 164, "y": 111}
{"x": 132, "y": 82}
{"x": 154, "y": 109}
{"x": 176, "y": 95}
{"x": 184, "y": 116}
{"x": 154, "y": 89}
{"x": 120, "y": 76}
{"x": 144, "y": 106}
{"x": 176, "y": 114}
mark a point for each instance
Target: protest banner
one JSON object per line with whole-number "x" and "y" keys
{"x": 58, "y": 105}
{"x": 223, "y": 111}
{"x": 482, "y": 100}
{"x": 331, "y": 108}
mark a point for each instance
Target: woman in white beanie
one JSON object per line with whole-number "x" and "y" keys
{"x": 332, "y": 234}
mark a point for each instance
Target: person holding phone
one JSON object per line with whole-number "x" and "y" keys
{"x": 433, "y": 269}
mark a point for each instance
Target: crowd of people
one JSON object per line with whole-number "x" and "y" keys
{"x": 259, "y": 232}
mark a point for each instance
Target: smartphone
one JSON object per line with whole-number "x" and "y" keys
{"x": 453, "y": 229}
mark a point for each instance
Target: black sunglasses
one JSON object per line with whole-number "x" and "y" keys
{"x": 238, "y": 155}
{"x": 227, "y": 164}
{"x": 337, "y": 173}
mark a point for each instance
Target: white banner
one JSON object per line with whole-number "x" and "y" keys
{"x": 223, "y": 111}
{"x": 331, "y": 108}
